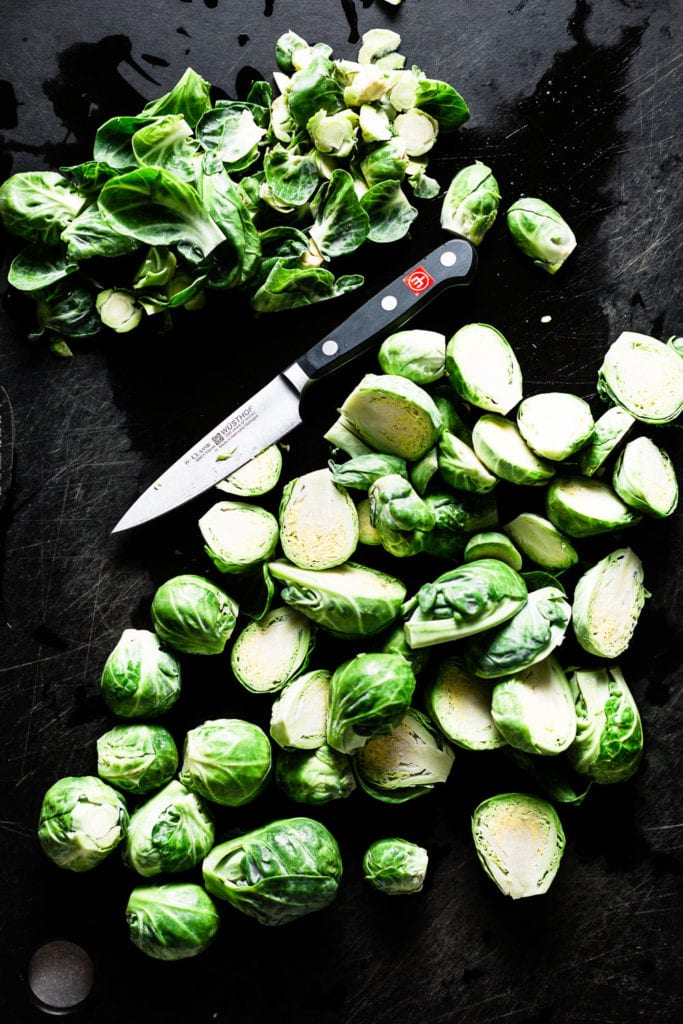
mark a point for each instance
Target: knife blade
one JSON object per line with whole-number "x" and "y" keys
{"x": 274, "y": 411}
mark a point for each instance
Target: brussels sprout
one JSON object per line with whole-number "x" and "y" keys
{"x": 349, "y": 600}
{"x": 238, "y": 536}
{"x": 378, "y": 44}
{"x": 363, "y": 470}
{"x": 137, "y": 758}
{"x": 499, "y": 444}
{"x": 608, "y": 600}
{"x": 460, "y": 514}
{"x": 419, "y": 355}
{"x": 369, "y": 695}
{"x": 374, "y": 124}
{"x": 227, "y": 761}
{"x": 645, "y": 479}
{"x": 82, "y": 819}
{"x": 285, "y": 46}
{"x": 399, "y": 514}
{"x": 417, "y": 130}
{"x": 140, "y": 678}
{"x": 170, "y": 832}
{"x": 470, "y": 205}
{"x": 395, "y": 642}
{"x": 171, "y": 922}
{"x": 530, "y": 635}
{"x": 314, "y": 776}
{"x": 542, "y": 542}
{"x": 644, "y": 376}
{"x": 460, "y": 705}
{"x": 460, "y": 467}
{"x": 342, "y": 437}
{"x": 554, "y": 776}
{"x": 406, "y": 763}
{"x": 258, "y": 476}
{"x": 491, "y": 544}
{"x": 193, "y": 615}
{"x": 278, "y": 872}
{"x": 555, "y": 424}
{"x": 367, "y": 532}
{"x": 534, "y": 709}
{"x": 118, "y": 310}
{"x": 541, "y": 233}
{"x": 271, "y": 651}
{"x": 610, "y": 430}
{"x": 318, "y": 522}
{"x": 583, "y": 507}
{"x": 519, "y": 840}
{"x": 335, "y": 133}
{"x": 465, "y": 600}
{"x": 395, "y": 866}
{"x": 393, "y": 414}
{"x": 424, "y": 470}
{"x": 483, "y": 368}
{"x": 609, "y": 734}
{"x": 298, "y": 718}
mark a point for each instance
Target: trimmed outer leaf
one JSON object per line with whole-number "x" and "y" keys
{"x": 38, "y": 205}
{"x": 190, "y": 97}
{"x": 171, "y": 922}
{"x": 288, "y": 285}
{"x": 534, "y": 709}
{"x": 168, "y": 142}
{"x": 609, "y": 735}
{"x": 113, "y": 143}
{"x": 314, "y": 88}
{"x": 608, "y": 600}
{"x": 293, "y": 177}
{"x": 341, "y": 224}
{"x": 38, "y": 266}
{"x": 389, "y": 211}
{"x": 90, "y": 235}
{"x": 231, "y": 133}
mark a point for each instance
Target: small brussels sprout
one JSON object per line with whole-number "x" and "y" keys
{"x": 272, "y": 650}
{"x": 483, "y": 368}
{"x": 140, "y": 678}
{"x": 227, "y": 761}
{"x": 237, "y": 536}
{"x": 193, "y": 615}
{"x": 318, "y": 521}
{"x": 610, "y": 430}
{"x": 468, "y": 599}
{"x": 399, "y": 514}
{"x": 534, "y": 709}
{"x": 542, "y": 542}
{"x": 278, "y": 872}
{"x": 369, "y": 694}
{"x": 118, "y": 310}
{"x": 644, "y": 477}
{"x": 395, "y": 866}
{"x": 258, "y": 476}
{"x": 491, "y": 544}
{"x": 171, "y": 922}
{"x": 583, "y": 507}
{"x": 419, "y": 355}
{"x": 519, "y": 840}
{"x": 170, "y": 832}
{"x": 499, "y": 444}
{"x": 555, "y": 424}
{"x": 541, "y": 233}
{"x": 285, "y": 45}
{"x": 459, "y": 703}
{"x": 644, "y": 376}
{"x": 349, "y": 600}
{"x": 470, "y": 205}
{"x": 314, "y": 776}
{"x": 82, "y": 819}
{"x": 335, "y": 133}
{"x": 406, "y": 763}
{"x": 298, "y": 718}
{"x": 608, "y": 600}
{"x": 393, "y": 414}
{"x": 137, "y": 758}
{"x": 362, "y": 471}
{"x": 609, "y": 734}
{"x": 461, "y": 467}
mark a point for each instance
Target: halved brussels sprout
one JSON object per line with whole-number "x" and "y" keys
{"x": 608, "y": 600}
{"x": 258, "y": 476}
{"x": 193, "y": 615}
{"x": 336, "y": 133}
{"x": 534, "y": 709}
{"x": 645, "y": 478}
{"x": 272, "y": 650}
{"x": 237, "y": 536}
{"x": 82, "y": 819}
{"x": 644, "y": 376}
{"x": 298, "y": 719}
{"x": 137, "y": 758}
{"x": 170, "y": 832}
{"x": 374, "y": 123}
{"x": 419, "y": 355}
{"x": 393, "y": 414}
{"x": 461, "y": 467}
{"x": 609, "y": 735}
{"x": 314, "y": 776}
{"x": 369, "y": 694}
{"x": 395, "y": 866}
{"x": 610, "y": 429}
{"x": 227, "y": 761}
{"x": 555, "y": 424}
{"x": 343, "y": 438}
{"x": 541, "y": 541}
{"x": 460, "y": 705}
{"x": 318, "y": 521}
{"x": 491, "y": 544}
{"x": 583, "y": 507}
{"x": 470, "y": 205}
{"x": 367, "y": 531}
{"x": 417, "y": 130}
{"x": 541, "y": 233}
{"x": 118, "y": 310}
{"x": 483, "y": 368}
{"x": 173, "y": 921}
{"x": 519, "y": 840}
{"x": 499, "y": 444}
{"x": 377, "y": 44}
{"x": 140, "y": 678}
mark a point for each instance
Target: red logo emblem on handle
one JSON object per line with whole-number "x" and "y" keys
{"x": 418, "y": 280}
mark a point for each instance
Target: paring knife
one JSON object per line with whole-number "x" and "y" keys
{"x": 274, "y": 411}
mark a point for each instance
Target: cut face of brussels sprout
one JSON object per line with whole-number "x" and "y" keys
{"x": 140, "y": 678}
{"x": 368, "y": 696}
{"x": 470, "y": 205}
{"x": 272, "y": 650}
{"x": 137, "y": 758}
{"x": 534, "y": 709}
{"x": 644, "y": 477}
{"x": 393, "y": 414}
{"x": 82, "y": 820}
{"x": 417, "y": 130}
{"x": 541, "y": 233}
{"x": 227, "y": 761}
{"x": 193, "y": 615}
{"x": 298, "y": 717}
{"x": 406, "y": 763}
{"x": 171, "y": 922}
{"x": 491, "y": 544}
{"x": 170, "y": 832}
{"x": 542, "y": 542}
{"x": 608, "y": 600}
{"x": 258, "y": 476}
{"x": 555, "y": 424}
{"x": 644, "y": 376}
{"x": 501, "y": 447}
{"x": 318, "y": 522}
{"x": 483, "y": 369}
{"x": 610, "y": 430}
{"x": 460, "y": 466}
{"x": 314, "y": 776}
{"x": 238, "y": 536}
{"x": 376, "y": 44}
{"x": 276, "y": 873}
{"x": 609, "y": 735}
{"x": 395, "y": 866}
{"x": 417, "y": 354}
{"x": 519, "y": 840}
{"x": 583, "y": 507}
{"x": 460, "y": 705}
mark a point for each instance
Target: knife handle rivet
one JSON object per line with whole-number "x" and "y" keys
{"x": 447, "y": 259}
{"x": 389, "y": 302}
{"x": 330, "y": 347}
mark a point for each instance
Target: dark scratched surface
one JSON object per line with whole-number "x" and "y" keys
{"x": 577, "y": 102}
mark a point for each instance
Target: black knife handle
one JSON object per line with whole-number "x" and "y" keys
{"x": 450, "y": 264}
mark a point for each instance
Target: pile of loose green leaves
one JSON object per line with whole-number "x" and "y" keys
{"x": 261, "y": 195}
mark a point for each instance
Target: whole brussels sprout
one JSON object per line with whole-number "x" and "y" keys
{"x": 609, "y": 735}
{"x": 368, "y": 696}
{"x": 470, "y": 205}
{"x": 137, "y": 758}
{"x": 226, "y": 760}
{"x": 193, "y": 615}
{"x": 170, "y": 832}
{"x": 395, "y": 866}
{"x": 314, "y": 776}
{"x": 140, "y": 678}
{"x": 82, "y": 820}
{"x": 541, "y": 233}
{"x": 171, "y": 922}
